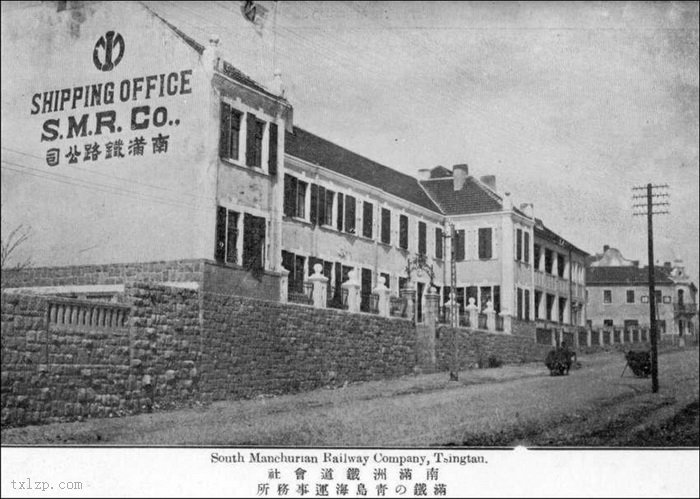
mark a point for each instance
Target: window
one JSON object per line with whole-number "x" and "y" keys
{"x": 484, "y": 243}
{"x": 527, "y": 304}
{"x": 402, "y": 282}
{"x": 607, "y": 323}
{"x": 519, "y": 245}
{"x": 538, "y": 300}
{"x": 294, "y": 197}
{"x": 254, "y": 242}
{"x": 550, "y": 306}
{"x": 459, "y": 246}
{"x": 326, "y": 217}
{"x": 561, "y": 263}
{"x": 562, "y": 308}
{"x": 657, "y": 292}
{"x": 538, "y": 251}
{"x": 367, "y": 219}
{"x": 607, "y": 296}
{"x": 301, "y": 199}
{"x": 630, "y": 296}
{"x": 631, "y": 323}
{"x": 349, "y": 214}
{"x": 230, "y": 130}
{"x": 438, "y": 243}
{"x": 321, "y": 205}
{"x": 403, "y": 232}
{"x": 386, "y": 226}
{"x": 422, "y": 249}
{"x": 226, "y": 249}
{"x": 661, "y": 326}
{"x": 339, "y": 213}
{"x": 295, "y": 265}
{"x": 520, "y": 303}
{"x": 526, "y": 247}
{"x": 256, "y": 130}
{"x": 548, "y": 260}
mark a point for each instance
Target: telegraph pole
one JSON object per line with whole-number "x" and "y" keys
{"x": 454, "y": 317}
{"x": 652, "y": 191}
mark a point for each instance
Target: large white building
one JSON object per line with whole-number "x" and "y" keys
{"x": 134, "y": 151}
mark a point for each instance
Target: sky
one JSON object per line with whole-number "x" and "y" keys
{"x": 569, "y": 105}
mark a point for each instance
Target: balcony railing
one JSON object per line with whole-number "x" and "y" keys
{"x": 303, "y": 295}
{"x": 685, "y": 308}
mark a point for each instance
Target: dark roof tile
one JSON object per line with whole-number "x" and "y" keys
{"x": 598, "y": 276}
{"x": 309, "y": 147}
{"x": 472, "y": 198}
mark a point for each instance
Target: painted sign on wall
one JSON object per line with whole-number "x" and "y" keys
{"x": 103, "y": 123}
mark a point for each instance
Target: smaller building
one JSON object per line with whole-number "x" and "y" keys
{"x": 618, "y": 295}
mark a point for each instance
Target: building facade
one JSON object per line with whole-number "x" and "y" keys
{"x": 618, "y": 295}
{"x": 156, "y": 155}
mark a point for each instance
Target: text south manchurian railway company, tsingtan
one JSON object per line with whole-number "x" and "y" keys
{"x": 348, "y": 458}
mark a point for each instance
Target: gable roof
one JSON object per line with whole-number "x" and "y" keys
{"x": 226, "y": 68}
{"x": 313, "y": 149}
{"x": 611, "y": 276}
{"x": 472, "y": 198}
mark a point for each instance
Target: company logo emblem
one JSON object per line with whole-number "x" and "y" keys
{"x": 109, "y": 51}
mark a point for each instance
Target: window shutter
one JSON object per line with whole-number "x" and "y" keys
{"x": 321, "y": 205}
{"x": 220, "y": 247}
{"x": 438, "y": 242}
{"x": 519, "y": 244}
{"x": 290, "y": 195}
{"x": 459, "y": 247}
{"x": 314, "y": 204}
{"x": 250, "y": 140}
{"x": 272, "y": 150}
{"x": 422, "y": 239}
{"x": 386, "y": 226}
{"x": 340, "y": 212}
{"x": 225, "y": 131}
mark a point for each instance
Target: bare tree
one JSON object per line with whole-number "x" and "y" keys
{"x": 8, "y": 248}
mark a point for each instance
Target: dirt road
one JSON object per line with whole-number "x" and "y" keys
{"x": 512, "y": 405}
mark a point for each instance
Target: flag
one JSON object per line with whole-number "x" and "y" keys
{"x": 255, "y": 13}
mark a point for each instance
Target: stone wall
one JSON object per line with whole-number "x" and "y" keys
{"x": 475, "y": 347}
{"x": 253, "y": 347}
{"x": 65, "y": 359}
{"x": 118, "y": 273}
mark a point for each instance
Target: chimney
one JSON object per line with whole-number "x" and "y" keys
{"x": 489, "y": 180}
{"x": 528, "y": 209}
{"x": 424, "y": 174}
{"x": 211, "y": 55}
{"x": 606, "y": 248}
{"x": 277, "y": 85}
{"x": 459, "y": 176}
{"x": 507, "y": 202}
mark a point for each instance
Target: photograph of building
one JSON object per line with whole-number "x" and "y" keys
{"x": 344, "y": 225}
{"x": 618, "y": 295}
